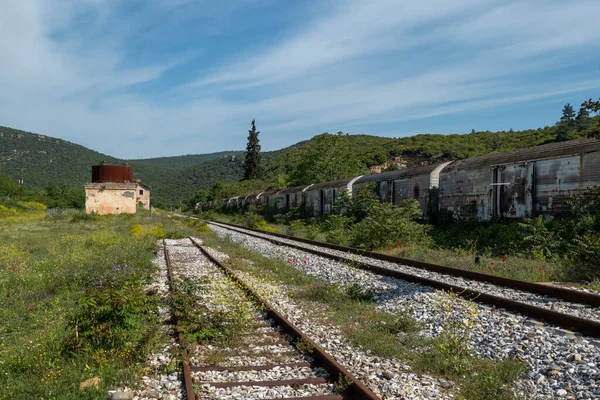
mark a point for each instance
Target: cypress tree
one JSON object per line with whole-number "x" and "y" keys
{"x": 252, "y": 161}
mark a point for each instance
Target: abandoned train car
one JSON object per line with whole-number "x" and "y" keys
{"x": 320, "y": 197}
{"x": 410, "y": 183}
{"x": 520, "y": 183}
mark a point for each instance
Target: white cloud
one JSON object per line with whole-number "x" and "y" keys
{"x": 358, "y": 63}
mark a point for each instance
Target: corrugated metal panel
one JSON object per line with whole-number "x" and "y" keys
{"x": 559, "y": 179}
{"x": 466, "y": 194}
{"x": 401, "y": 189}
{"x": 552, "y": 150}
{"x": 515, "y": 190}
{"x": 313, "y": 206}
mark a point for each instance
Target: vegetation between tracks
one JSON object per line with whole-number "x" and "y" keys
{"x": 73, "y": 303}
{"x": 387, "y": 335}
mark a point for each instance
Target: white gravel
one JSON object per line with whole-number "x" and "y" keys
{"x": 576, "y": 309}
{"x": 220, "y": 296}
{"x": 562, "y": 365}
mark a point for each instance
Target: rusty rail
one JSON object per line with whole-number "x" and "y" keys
{"x": 587, "y": 327}
{"x": 357, "y": 389}
{"x": 574, "y": 296}
{"x": 187, "y": 373}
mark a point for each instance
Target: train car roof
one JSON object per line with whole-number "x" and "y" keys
{"x": 293, "y": 189}
{"x": 269, "y": 192}
{"x": 398, "y": 174}
{"x": 551, "y": 150}
{"x": 330, "y": 184}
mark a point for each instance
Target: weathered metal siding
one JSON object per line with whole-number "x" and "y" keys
{"x": 414, "y": 187}
{"x": 514, "y": 190}
{"x": 465, "y": 194}
{"x": 559, "y": 179}
{"x": 313, "y": 205}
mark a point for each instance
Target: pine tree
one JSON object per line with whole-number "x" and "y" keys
{"x": 252, "y": 161}
{"x": 583, "y": 114}
{"x": 568, "y": 113}
{"x": 582, "y": 118}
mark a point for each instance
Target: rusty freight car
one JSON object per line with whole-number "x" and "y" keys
{"x": 520, "y": 183}
{"x": 409, "y": 183}
{"x": 289, "y": 198}
{"x": 320, "y": 197}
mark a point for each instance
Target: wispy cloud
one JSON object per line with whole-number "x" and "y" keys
{"x": 136, "y": 78}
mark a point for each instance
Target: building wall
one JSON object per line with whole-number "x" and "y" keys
{"x": 144, "y": 197}
{"x": 110, "y": 201}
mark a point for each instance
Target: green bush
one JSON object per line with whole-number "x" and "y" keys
{"x": 337, "y": 228}
{"x": 83, "y": 217}
{"x": 388, "y": 224}
{"x": 109, "y": 317}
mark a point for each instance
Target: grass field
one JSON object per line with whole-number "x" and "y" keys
{"x": 73, "y": 304}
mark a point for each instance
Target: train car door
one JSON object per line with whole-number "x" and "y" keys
{"x": 383, "y": 191}
{"x": 401, "y": 190}
{"x": 513, "y": 190}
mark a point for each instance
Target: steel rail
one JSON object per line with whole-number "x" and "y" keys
{"x": 574, "y": 296}
{"x": 584, "y": 326}
{"x": 357, "y": 389}
{"x": 187, "y": 372}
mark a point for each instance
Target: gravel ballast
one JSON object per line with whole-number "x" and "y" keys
{"x": 219, "y": 296}
{"x": 551, "y": 303}
{"x": 562, "y": 365}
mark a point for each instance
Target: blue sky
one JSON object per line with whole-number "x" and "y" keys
{"x": 156, "y": 77}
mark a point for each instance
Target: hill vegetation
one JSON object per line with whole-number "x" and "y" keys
{"x": 54, "y": 167}
{"x": 329, "y": 157}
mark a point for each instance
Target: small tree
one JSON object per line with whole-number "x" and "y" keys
{"x": 329, "y": 157}
{"x": 252, "y": 161}
{"x": 593, "y": 106}
{"x": 568, "y": 113}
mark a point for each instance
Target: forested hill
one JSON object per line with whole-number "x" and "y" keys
{"x": 50, "y": 161}
{"x": 183, "y": 161}
{"x": 46, "y": 160}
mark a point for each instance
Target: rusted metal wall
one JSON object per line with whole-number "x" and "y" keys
{"x": 313, "y": 205}
{"x": 414, "y": 187}
{"x": 112, "y": 173}
{"x": 514, "y": 192}
{"x": 559, "y": 179}
{"x": 466, "y": 193}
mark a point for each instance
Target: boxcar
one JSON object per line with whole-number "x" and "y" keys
{"x": 519, "y": 183}
{"x": 289, "y": 198}
{"x": 409, "y": 183}
{"x": 320, "y": 197}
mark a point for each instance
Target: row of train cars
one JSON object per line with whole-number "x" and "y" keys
{"x": 516, "y": 184}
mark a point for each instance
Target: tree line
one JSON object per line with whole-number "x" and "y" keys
{"x": 329, "y": 157}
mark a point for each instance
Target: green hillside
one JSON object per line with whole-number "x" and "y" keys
{"x": 179, "y": 162}
{"x": 50, "y": 161}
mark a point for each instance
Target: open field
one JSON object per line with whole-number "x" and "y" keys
{"x": 73, "y": 304}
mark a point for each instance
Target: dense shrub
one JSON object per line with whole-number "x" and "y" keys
{"x": 337, "y": 228}
{"x": 388, "y": 224}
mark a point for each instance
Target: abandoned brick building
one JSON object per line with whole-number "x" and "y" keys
{"x": 113, "y": 191}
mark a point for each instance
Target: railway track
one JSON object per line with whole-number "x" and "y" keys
{"x": 578, "y": 309}
{"x": 272, "y": 359}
